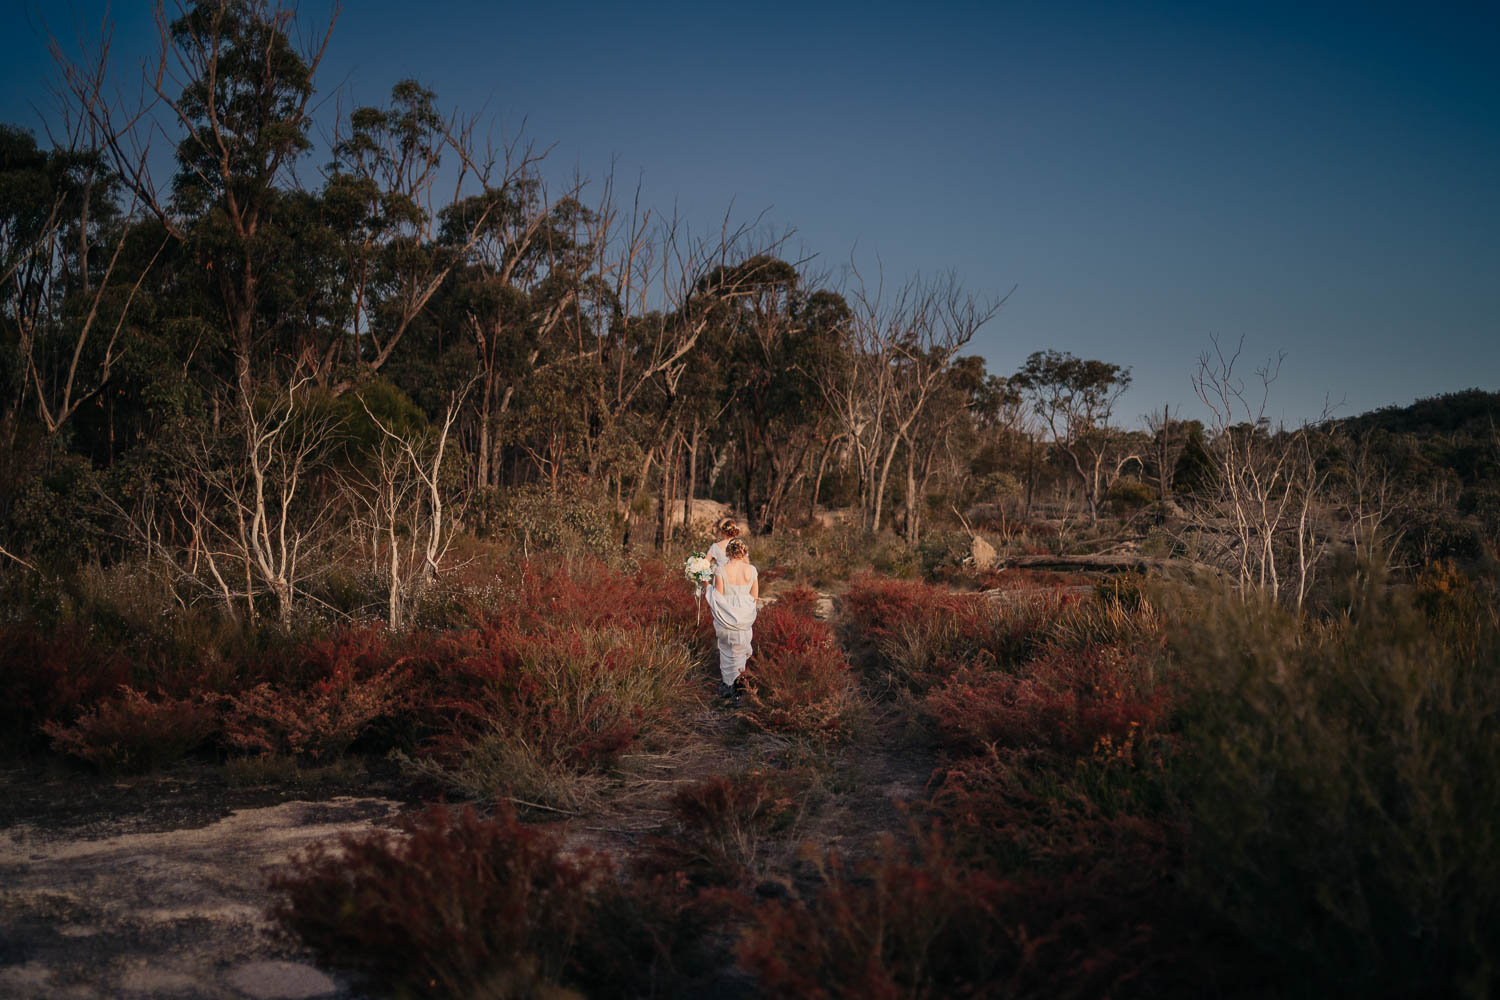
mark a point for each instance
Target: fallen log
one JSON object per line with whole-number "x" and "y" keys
{"x": 1114, "y": 562}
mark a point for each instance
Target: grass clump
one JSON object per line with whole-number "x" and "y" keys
{"x": 541, "y": 715}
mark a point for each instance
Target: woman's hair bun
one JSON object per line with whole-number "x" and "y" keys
{"x": 736, "y": 548}
{"x": 727, "y": 526}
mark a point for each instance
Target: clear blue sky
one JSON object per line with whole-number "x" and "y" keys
{"x": 1318, "y": 179}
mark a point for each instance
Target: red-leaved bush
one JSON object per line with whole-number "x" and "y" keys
{"x": 324, "y": 696}
{"x": 913, "y": 635}
{"x": 927, "y": 925}
{"x": 1027, "y": 811}
{"x": 51, "y": 679}
{"x": 1099, "y": 699}
{"x": 799, "y": 681}
{"x": 501, "y": 677}
{"x": 131, "y": 732}
{"x": 1093, "y": 853}
{"x": 541, "y": 596}
{"x": 723, "y": 823}
{"x": 452, "y": 905}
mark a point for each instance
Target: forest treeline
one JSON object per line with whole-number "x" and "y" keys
{"x": 260, "y": 356}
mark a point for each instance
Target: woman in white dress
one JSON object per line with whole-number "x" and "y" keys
{"x": 732, "y": 600}
{"x": 725, "y": 528}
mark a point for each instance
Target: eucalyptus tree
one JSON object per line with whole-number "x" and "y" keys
{"x": 516, "y": 286}
{"x": 398, "y": 251}
{"x": 1076, "y": 399}
{"x": 946, "y": 432}
{"x": 777, "y": 331}
{"x": 70, "y": 268}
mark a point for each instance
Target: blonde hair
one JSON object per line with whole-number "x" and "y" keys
{"x": 728, "y": 527}
{"x": 736, "y": 548}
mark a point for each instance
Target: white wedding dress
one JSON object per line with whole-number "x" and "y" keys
{"x": 734, "y": 616}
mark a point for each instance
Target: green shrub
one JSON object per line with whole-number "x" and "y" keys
{"x": 1342, "y": 795}
{"x": 818, "y": 554}
{"x": 1123, "y": 589}
{"x": 573, "y": 520}
{"x": 1127, "y": 495}
{"x": 890, "y": 556}
{"x": 939, "y": 554}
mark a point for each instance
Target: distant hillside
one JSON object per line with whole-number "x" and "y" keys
{"x": 1471, "y": 412}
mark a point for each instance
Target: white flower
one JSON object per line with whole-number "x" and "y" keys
{"x": 698, "y": 568}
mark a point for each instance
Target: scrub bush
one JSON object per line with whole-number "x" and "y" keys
{"x": 130, "y": 732}
{"x": 1065, "y": 700}
{"x": 451, "y": 905}
{"x": 925, "y": 924}
{"x": 799, "y": 682}
{"x": 723, "y": 824}
{"x": 51, "y": 679}
{"x": 909, "y": 636}
{"x": 319, "y": 697}
{"x": 535, "y": 714}
{"x": 1341, "y": 793}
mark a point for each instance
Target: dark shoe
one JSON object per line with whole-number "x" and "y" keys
{"x": 725, "y": 691}
{"x": 734, "y": 697}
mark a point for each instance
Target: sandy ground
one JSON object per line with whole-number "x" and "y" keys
{"x": 166, "y": 913}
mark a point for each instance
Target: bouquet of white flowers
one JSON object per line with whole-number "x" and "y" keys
{"x": 699, "y": 569}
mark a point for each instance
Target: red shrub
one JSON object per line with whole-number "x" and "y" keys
{"x": 587, "y": 694}
{"x": 801, "y": 600}
{"x": 1090, "y": 840}
{"x": 361, "y": 650}
{"x": 895, "y": 928}
{"x": 651, "y": 936}
{"x": 453, "y": 906}
{"x": 1100, "y": 699}
{"x": 879, "y": 605}
{"x": 931, "y": 926}
{"x": 1017, "y": 811}
{"x": 543, "y": 596}
{"x": 130, "y": 732}
{"x": 324, "y": 696}
{"x": 914, "y": 635}
{"x": 51, "y": 679}
{"x": 928, "y": 926}
{"x": 799, "y": 681}
{"x": 723, "y": 824}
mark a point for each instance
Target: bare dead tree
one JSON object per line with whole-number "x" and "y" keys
{"x": 1369, "y": 499}
{"x": 652, "y": 291}
{"x": 238, "y": 518}
{"x": 400, "y": 502}
{"x": 1260, "y": 514}
{"x": 899, "y": 347}
{"x": 953, "y": 317}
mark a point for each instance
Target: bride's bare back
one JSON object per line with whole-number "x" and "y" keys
{"x": 738, "y": 573}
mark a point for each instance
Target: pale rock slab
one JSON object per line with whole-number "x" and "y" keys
{"x": 273, "y": 980}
